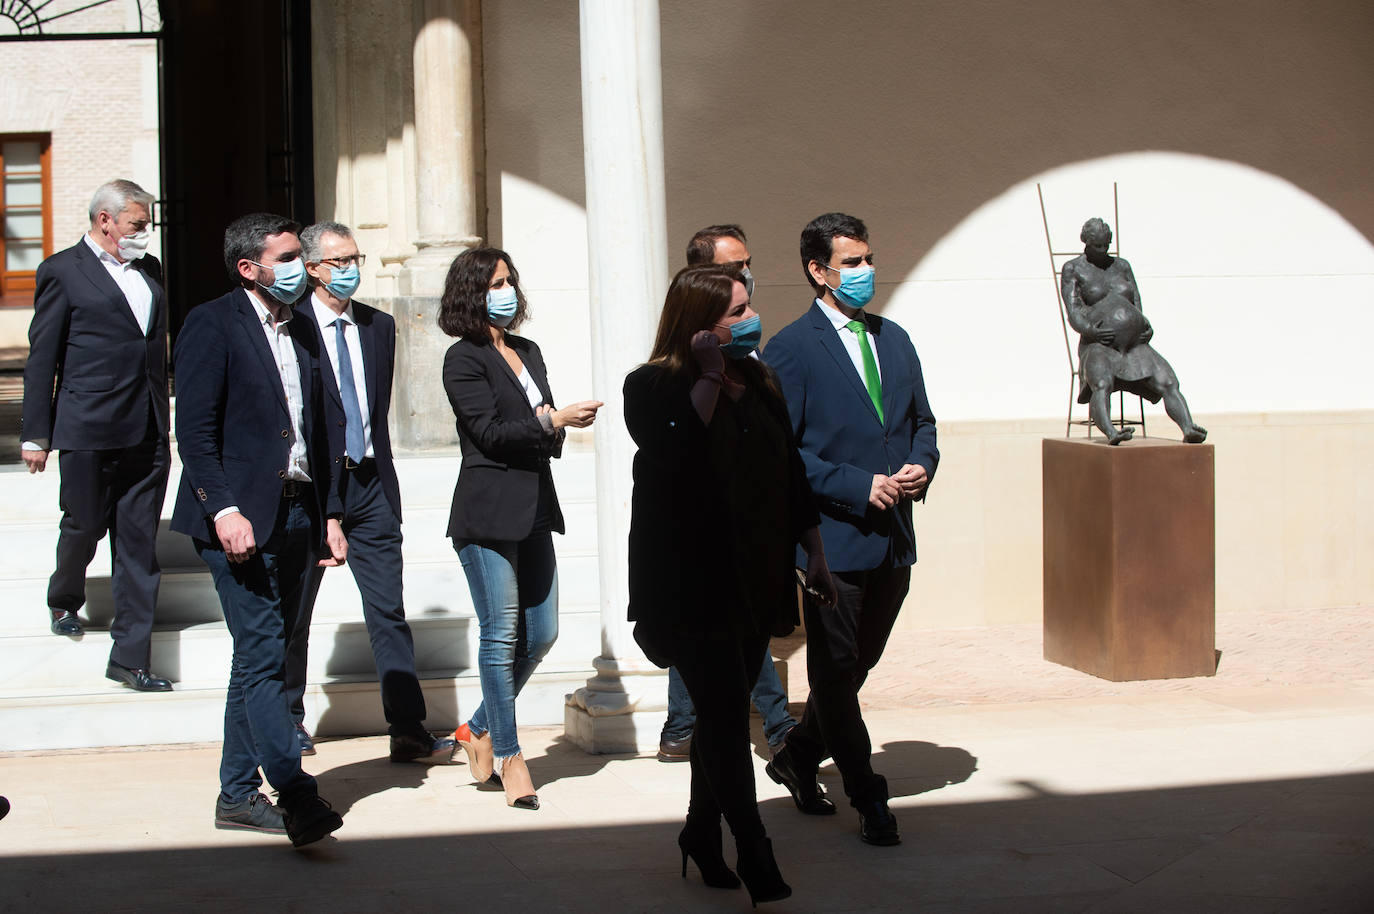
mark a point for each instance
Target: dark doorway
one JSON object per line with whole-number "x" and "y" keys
{"x": 236, "y": 131}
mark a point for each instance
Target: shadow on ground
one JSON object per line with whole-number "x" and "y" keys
{"x": 1289, "y": 846}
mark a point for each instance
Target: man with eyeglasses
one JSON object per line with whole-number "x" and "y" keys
{"x": 359, "y": 348}
{"x": 858, "y": 405}
{"x": 259, "y": 502}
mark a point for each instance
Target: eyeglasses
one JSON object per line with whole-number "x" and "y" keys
{"x": 356, "y": 260}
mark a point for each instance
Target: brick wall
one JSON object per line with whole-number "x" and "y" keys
{"x": 98, "y": 100}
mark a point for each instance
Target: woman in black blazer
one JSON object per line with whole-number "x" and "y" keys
{"x": 504, "y": 509}
{"x": 720, "y": 504}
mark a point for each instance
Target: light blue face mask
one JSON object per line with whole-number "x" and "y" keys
{"x": 856, "y": 285}
{"x": 343, "y": 281}
{"x": 501, "y": 305}
{"x": 289, "y": 281}
{"x": 745, "y": 336}
{"x": 748, "y": 281}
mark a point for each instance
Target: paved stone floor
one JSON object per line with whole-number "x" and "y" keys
{"x": 1020, "y": 786}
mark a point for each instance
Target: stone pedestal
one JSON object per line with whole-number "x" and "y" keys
{"x": 1129, "y": 557}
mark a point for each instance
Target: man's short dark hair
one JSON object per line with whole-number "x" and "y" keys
{"x": 818, "y": 238}
{"x": 702, "y": 247}
{"x": 246, "y": 239}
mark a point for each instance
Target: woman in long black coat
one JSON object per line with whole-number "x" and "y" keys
{"x": 720, "y": 503}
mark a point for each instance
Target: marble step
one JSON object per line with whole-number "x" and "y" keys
{"x": 201, "y": 654}
{"x": 115, "y": 716}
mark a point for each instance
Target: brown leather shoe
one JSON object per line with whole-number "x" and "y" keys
{"x": 675, "y": 750}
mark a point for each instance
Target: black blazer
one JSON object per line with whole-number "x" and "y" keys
{"x": 92, "y": 374}
{"x": 505, "y": 447}
{"x": 233, "y": 425}
{"x": 377, "y": 333}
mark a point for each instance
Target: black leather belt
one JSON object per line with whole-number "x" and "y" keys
{"x": 294, "y": 488}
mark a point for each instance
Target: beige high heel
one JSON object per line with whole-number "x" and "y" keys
{"x": 481, "y": 757}
{"x": 519, "y": 786}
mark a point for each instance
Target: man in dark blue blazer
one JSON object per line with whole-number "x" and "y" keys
{"x": 358, "y": 353}
{"x": 95, "y": 389}
{"x": 257, "y": 499}
{"x": 858, "y": 404}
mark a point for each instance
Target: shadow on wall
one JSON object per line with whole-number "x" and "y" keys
{"x": 913, "y": 115}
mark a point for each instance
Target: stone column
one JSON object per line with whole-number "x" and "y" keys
{"x": 621, "y": 707}
{"x": 448, "y": 125}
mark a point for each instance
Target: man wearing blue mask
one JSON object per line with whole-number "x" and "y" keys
{"x": 359, "y": 347}
{"x": 723, "y": 244}
{"x": 259, "y": 501}
{"x": 858, "y": 405}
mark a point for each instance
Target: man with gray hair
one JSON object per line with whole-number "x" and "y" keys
{"x": 358, "y": 355}
{"x": 95, "y": 389}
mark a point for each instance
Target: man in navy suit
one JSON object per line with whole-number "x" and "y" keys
{"x": 359, "y": 345}
{"x": 257, "y": 499}
{"x": 858, "y": 404}
{"x": 95, "y": 389}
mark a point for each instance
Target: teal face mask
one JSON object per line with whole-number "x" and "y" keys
{"x": 343, "y": 281}
{"x": 289, "y": 282}
{"x": 745, "y": 336}
{"x": 501, "y": 305}
{"x": 856, "y": 285}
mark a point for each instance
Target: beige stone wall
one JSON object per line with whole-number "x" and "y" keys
{"x": 1293, "y": 517}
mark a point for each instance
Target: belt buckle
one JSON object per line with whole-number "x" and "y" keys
{"x": 290, "y": 489}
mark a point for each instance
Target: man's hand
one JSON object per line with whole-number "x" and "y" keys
{"x": 236, "y": 536}
{"x": 912, "y": 478}
{"x": 338, "y": 544}
{"x": 884, "y": 493}
{"x": 818, "y": 583}
{"x": 36, "y": 461}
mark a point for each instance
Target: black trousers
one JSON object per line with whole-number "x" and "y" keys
{"x": 719, "y": 673}
{"x": 842, "y": 644}
{"x": 374, "y": 556}
{"x": 120, "y": 491}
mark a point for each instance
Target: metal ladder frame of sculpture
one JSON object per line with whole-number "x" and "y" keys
{"x": 1099, "y": 297}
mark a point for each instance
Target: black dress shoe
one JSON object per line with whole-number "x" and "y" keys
{"x": 877, "y": 824}
{"x": 138, "y": 680}
{"x": 309, "y": 820}
{"x": 423, "y": 748}
{"x": 303, "y": 737}
{"x": 806, "y": 791}
{"x": 675, "y": 750}
{"x": 65, "y": 622}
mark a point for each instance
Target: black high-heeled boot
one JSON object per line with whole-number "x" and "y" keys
{"x": 759, "y": 871}
{"x": 702, "y": 844}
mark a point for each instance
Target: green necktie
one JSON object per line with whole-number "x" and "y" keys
{"x": 871, "y": 379}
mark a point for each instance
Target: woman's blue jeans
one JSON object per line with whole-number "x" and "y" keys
{"x": 515, "y": 592}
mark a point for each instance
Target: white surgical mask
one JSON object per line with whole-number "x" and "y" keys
{"x": 132, "y": 247}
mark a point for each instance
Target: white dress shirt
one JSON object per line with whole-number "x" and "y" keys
{"x": 288, "y": 368}
{"x": 130, "y": 281}
{"x": 137, "y": 293}
{"x": 325, "y": 317}
{"x": 850, "y": 340}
